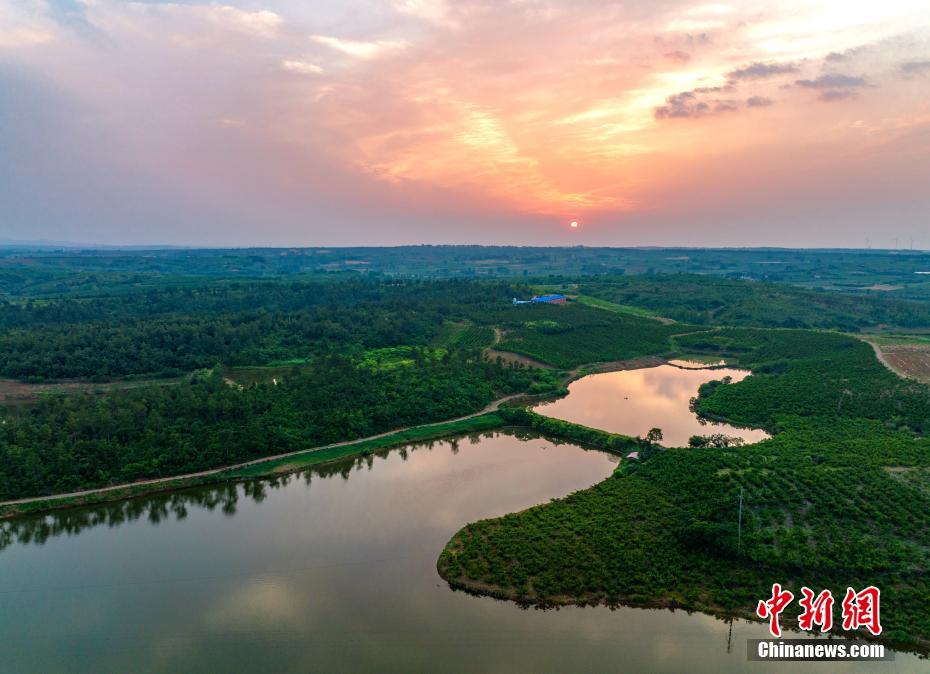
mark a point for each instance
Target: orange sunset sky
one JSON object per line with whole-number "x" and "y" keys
{"x": 377, "y": 122}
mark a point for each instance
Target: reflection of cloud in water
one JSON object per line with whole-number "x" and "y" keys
{"x": 340, "y": 576}
{"x": 261, "y": 603}
{"x": 633, "y": 401}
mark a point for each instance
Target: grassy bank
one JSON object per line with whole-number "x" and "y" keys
{"x": 266, "y": 468}
{"x": 484, "y": 422}
{"x": 508, "y": 416}
{"x": 566, "y": 430}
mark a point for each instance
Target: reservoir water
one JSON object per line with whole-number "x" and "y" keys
{"x": 332, "y": 570}
{"x": 634, "y": 401}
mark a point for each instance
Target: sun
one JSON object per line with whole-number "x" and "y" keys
{"x": 574, "y": 224}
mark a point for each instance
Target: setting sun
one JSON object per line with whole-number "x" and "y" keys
{"x": 574, "y": 224}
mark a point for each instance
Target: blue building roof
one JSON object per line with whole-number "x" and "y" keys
{"x": 549, "y": 298}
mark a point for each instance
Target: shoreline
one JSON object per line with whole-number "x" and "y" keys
{"x": 918, "y": 647}
{"x": 258, "y": 468}
{"x": 293, "y": 461}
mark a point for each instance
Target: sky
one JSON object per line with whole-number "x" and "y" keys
{"x": 379, "y": 122}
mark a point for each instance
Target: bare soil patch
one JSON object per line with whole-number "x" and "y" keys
{"x": 509, "y": 357}
{"x": 906, "y": 360}
{"x": 885, "y": 287}
{"x": 913, "y": 361}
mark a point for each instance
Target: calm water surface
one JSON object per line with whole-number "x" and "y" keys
{"x": 634, "y": 401}
{"x": 330, "y": 571}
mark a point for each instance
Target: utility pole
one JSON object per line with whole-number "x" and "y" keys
{"x": 739, "y": 530}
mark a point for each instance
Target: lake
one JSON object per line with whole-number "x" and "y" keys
{"x": 634, "y": 401}
{"x": 332, "y": 570}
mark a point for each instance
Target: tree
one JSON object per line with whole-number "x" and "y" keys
{"x": 654, "y": 435}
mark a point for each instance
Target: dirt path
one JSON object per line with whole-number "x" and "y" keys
{"x": 494, "y": 406}
{"x": 510, "y": 356}
{"x": 882, "y": 358}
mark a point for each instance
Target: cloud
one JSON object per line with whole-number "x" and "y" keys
{"x": 301, "y": 67}
{"x": 691, "y": 105}
{"x": 758, "y": 102}
{"x": 432, "y": 11}
{"x": 759, "y": 70}
{"x": 379, "y": 118}
{"x": 915, "y": 67}
{"x": 699, "y": 40}
{"x": 832, "y": 82}
{"x": 725, "y": 106}
{"x": 846, "y": 54}
{"x": 359, "y": 48}
{"x": 678, "y": 56}
{"x": 715, "y": 90}
{"x": 262, "y": 23}
{"x": 20, "y": 27}
{"x": 832, "y": 95}
{"x": 835, "y": 87}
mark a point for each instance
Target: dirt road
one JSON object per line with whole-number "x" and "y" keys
{"x": 214, "y": 471}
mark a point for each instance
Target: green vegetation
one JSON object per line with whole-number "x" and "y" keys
{"x": 613, "y": 306}
{"x": 484, "y": 422}
{"x": 67, "y": 443}
{"x": 900, "y": 340}
{"x": 315, "y": 354}
{"x": 49, "y": 272}
{"x": 838, "y": 497}
{"x": 706, "y": 300}
{"x": 311, "y": 457}
{"x": 573, "y": 334}
{"x": 566, "y": 430}
{"x": 463, "y": 336}
{"x": 808, "y": 374}
{"x": 171, "y": 331}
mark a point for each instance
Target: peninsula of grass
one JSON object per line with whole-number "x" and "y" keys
{"x": 837, "y": 498}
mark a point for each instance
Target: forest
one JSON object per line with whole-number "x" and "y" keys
{"x": 64, "y": 443}
{"x": 171, "y": 331}
{"x": 712, "y": 300}
{"x": 839, "y": 496}
{"x": 49, "y": 270}
{"x": 295, "y": 357}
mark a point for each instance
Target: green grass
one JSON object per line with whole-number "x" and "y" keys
{"x": 391, "y": 357}
{"x": 286, "y": 362}
{"x": 616, "y": 308}
{"x": 312, "y": 457}
{"x": 899, "y": 340}
{"x": 484, "y": 422}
